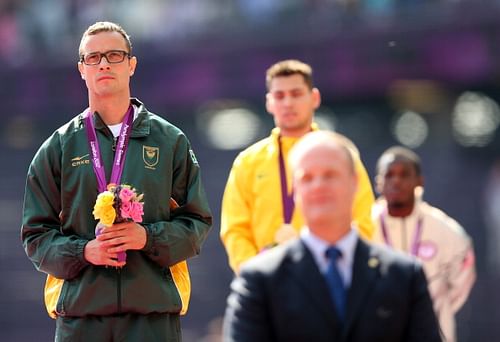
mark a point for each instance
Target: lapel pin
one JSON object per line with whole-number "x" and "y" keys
{"x": 373, "y": 262}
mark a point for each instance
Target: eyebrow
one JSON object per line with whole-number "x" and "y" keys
{"x": 286, "y": 90}
{"x": 117, "y": 49}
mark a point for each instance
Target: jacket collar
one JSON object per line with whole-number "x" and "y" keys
{"x": 304, "y": 269}
{"x": 141, "y": 126}
{"x": 380, "y": 208}
{"x": 275, "y": 132}
{"x": 366, "y": 270}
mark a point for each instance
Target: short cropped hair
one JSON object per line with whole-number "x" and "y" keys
{"x": 399, "y": 153}
{"x": 105, "y": 26}
{"x": 289, "y": 67}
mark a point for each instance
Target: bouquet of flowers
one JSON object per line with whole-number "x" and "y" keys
{"x": 119, "y": 203}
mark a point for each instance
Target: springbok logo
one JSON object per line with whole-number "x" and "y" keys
{"x": 151, "y": 156}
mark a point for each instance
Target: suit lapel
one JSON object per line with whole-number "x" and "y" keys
{"x": 365, "y": 272}
{"x": 305, "y": 271}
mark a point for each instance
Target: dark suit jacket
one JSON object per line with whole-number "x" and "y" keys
{"x": 281, "y": 295}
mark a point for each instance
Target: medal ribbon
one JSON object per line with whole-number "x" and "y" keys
{"x": 286, "y": 198}
{"x": 416, "y": 237}
{"x": 121, "y": 150}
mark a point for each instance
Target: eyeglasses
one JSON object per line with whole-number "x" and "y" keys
{"x": 112, "y": 56}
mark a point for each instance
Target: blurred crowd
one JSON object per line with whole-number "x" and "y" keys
{"x": 29, "y": 28}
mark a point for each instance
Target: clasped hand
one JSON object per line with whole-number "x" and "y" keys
{"x": 120, "y": 237}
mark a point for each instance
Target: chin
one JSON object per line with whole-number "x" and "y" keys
{"x": 396, "y": 203}
{"x": 320, "y": 216}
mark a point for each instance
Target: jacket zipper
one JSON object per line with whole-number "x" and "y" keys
{"x": 60, "y": 306}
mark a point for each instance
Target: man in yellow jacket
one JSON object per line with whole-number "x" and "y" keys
{"x": 258, "y": 211}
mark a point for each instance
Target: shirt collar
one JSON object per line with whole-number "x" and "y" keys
{"x": 318, "y": 247}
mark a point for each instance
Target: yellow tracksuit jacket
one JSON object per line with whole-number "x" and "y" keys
{"x": 252, "y": 209}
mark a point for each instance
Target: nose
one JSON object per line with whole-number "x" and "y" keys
{"x": 396, "y": 180}
{"x": 103, "y": 63}
{"x": 316, "y": 183}
{"x": 104, "y": 67}
{"x": 287, "y": 100}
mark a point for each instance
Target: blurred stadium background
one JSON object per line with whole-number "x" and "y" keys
{"x": 423, "y": 73}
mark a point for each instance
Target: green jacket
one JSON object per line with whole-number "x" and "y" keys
{"x": 61, "y": 190}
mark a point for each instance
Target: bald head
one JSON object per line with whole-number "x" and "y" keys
{"x": 325, "y": 182}
{"x": 325, "y": 140}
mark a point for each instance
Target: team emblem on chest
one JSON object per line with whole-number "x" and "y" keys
{"x": 150, "y": 156}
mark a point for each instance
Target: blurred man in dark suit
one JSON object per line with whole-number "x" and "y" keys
{"x": 329, "y": 285}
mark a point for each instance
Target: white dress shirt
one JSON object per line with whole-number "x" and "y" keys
{"x": 318, "y": 247}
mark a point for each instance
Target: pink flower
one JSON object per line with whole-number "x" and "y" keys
{"x": 125, "y": 210}
{"x": 137, "y": 211}
{"x": 126, "y": 194}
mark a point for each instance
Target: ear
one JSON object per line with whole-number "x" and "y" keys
{"x": 356, "y": 183}
{"x": 269, "y": 103}
{"x": 420, "y": 181}
{"x": 296, "y": 198}
{"x": 379, "y": 184}
{"x": 316, "y": 98}
{"x": 133, "y": 65}
{"x": 79, "y": 65}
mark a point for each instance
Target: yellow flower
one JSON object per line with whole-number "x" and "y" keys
{"x": 108, "y": 217}
{"x": 105, "y": 198}
{"x": 103, "y": 208}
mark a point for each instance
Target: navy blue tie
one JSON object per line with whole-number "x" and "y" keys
{"x": 334, "y": 280}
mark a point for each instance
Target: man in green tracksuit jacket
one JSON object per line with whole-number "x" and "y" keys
{"x": 92, "y": 294}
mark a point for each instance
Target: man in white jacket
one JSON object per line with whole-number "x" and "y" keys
{"x": 405, "y": 222}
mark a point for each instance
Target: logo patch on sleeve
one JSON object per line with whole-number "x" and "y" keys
{"x": 193, "y": 157}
